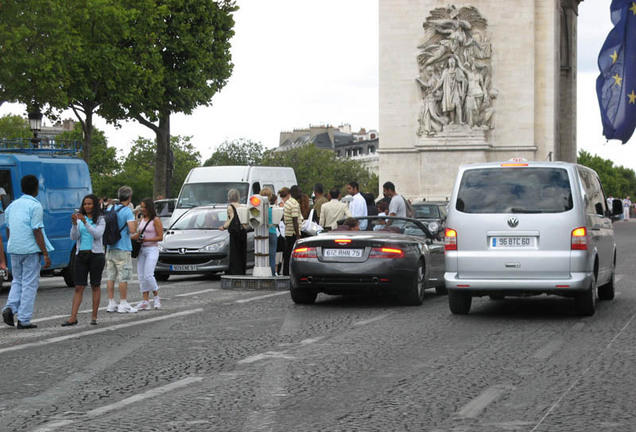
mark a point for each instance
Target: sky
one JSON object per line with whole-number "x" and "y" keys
{"x": 305, "y": 62}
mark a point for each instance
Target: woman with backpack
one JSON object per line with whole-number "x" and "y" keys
{"x": 149, "y": 232}
{"x": 87, "y": 228}
{"x": 238, "y": 235}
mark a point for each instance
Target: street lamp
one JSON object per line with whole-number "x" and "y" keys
{"x": 35, "y": 123}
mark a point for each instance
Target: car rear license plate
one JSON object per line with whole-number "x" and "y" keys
{"x": 183, "y": 267}
{"x": 342, "y": 253}
{"x": 513, "y": 242}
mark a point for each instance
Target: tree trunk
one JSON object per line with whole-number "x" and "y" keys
{"x": 87, "y": 127}
{"x": 161, "y": 163}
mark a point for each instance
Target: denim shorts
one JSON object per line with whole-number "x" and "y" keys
{"x": 118, "y": 265}
{"x": 87, "y": 262}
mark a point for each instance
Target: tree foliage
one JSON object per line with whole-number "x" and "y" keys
{"x": 190, "y": 54}
{"x": 36, "y": 39}
{"x": 138, "y": 167}
{"x": 14, "y": 126}
{"x": 618, "y": 181}
{"x": 237, "y": 152}
{"x": 103, "y": 163}
{"x": 314, "y": 165}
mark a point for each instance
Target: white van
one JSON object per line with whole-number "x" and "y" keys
{"x": 522, "y": 228}
{"x": 210, "y": 185}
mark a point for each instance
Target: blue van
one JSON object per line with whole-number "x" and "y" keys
{"x": 64, "y": 181}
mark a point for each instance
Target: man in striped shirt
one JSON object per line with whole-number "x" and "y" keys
{"x": 292, "y": 220}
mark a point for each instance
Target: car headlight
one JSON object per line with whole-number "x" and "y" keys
{"x": 433, "y": 227}
{"x": 214, "y": 247}
{"x": 161, "y": 248}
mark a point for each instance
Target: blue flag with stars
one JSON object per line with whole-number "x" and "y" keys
{"x": 616, "y": 85}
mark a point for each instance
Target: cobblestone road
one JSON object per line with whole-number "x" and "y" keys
{"x": 228, "y": 360}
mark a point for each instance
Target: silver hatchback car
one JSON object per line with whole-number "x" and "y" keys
{"x": 522, "y": 228}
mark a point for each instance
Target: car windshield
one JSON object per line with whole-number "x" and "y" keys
{"x": 515, "y": 190}
{"x": 426, "y": 211}
{"x": 201, "y": 219}
{"x": 198, "y": 194}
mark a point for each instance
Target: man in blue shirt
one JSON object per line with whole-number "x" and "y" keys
{"x": 118, "y": 259}
{"x": 26, "y": 242}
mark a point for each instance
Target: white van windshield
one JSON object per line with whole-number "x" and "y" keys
{"x": 197, "y": 194}
{"x": 514, "y": 190}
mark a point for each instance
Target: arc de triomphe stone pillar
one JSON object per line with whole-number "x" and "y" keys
{"x": 473, "y": 81}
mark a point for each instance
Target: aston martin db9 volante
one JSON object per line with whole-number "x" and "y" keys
{"x": 400, "y": 257}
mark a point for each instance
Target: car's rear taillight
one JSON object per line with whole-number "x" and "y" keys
{"x": 450, "y": 240}
{"x": 579, "y": 239}
{"x": 304, "y": 252}
{"x": 386, "y": 253}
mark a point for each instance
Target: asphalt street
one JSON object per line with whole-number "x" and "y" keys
{"x": 237, "y": 360}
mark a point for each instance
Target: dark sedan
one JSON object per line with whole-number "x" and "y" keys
{"x": 399, "y": 257}
{"x": 433, "y": 214}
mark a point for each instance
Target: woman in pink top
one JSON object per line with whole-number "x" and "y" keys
{"x": 149, "y": 232}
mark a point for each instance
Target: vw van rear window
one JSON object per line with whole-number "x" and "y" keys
{"x": 514, "y": 190}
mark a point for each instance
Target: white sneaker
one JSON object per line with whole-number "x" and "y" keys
{"x": 112, "y": 306}
{"x": 125, "y": 307}
{"x": 157, "y": 303}
{"x": 143, "y": 305}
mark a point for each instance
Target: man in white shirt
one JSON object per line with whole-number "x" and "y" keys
{"x": 397, "y": 206}
{"x": 358, "y": 205}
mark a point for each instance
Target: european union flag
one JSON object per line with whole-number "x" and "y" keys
{"x": 616, "y": 85}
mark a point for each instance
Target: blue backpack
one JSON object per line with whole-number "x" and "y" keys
{"x": 112, "y": 232}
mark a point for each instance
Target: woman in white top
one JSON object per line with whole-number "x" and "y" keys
{"x": 149, "y": 232}
{"x": 87, "y": 227}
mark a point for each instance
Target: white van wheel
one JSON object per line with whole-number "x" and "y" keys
{"x": 586, "y": 302}
{"x": 606, "y": 292}
{"x": 459, "y": 302}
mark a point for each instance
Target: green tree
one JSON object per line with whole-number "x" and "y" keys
{"x": 314, "y": 165}
{"x": 103, "y": 163}
{"x": 78, "y": 55}
{"x": 14, "y": 126}
{"x": 191, "y": 40}
{"x": 36, "y": 39}
{"x": 138, "y": 166}
{"x": 237, "y": 152}
{"x": 617, "y": 180}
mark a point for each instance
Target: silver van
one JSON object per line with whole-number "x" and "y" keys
{"x": 521, "y": 228}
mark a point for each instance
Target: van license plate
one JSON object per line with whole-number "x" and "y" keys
{"x": 513, "y": 242}
{"x": 342, "y": 253}
{"x": 183, "y": 267}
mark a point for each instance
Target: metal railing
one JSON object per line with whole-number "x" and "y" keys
{"x": 40, "y": 146}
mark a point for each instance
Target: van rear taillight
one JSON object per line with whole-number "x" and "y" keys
{"x": 450, "y": 241}
{"x": 579, "y": 239}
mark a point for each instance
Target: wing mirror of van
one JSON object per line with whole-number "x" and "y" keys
{"x": 617, "y": 209}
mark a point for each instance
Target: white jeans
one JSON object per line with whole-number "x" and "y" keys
{"x": 146, "y": 262}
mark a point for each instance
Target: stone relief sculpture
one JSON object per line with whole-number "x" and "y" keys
{"x": 454, "y": 62}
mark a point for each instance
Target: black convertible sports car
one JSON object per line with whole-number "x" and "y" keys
{"x": 399, "y": 256}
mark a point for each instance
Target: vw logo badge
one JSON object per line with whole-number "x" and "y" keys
{"x": 513, "y": 222}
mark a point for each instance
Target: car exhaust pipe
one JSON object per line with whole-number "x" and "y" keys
{"x": 375, "y": 280}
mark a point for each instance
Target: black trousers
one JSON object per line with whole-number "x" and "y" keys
{"x": 289, "y": 247}
{"x": 238, "y": 253}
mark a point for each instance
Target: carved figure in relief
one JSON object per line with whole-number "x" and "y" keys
{"x": 456, "y": 44}
{"x": 430, "y": 119}
{"x": 453, "y": 85}
{"x": 475, "y": 94}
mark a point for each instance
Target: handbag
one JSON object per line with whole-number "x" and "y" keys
{"x": 136, "y": 244}
{"x": 310, "y": 227}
